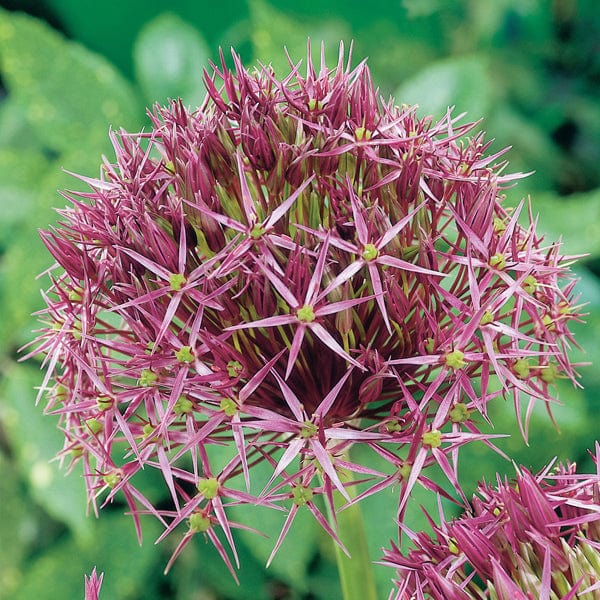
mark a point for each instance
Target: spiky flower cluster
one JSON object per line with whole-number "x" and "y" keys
{"x": 293, "y": 268}
{"x": 537, "y": 537}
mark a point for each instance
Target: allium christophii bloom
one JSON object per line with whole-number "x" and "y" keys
{"x": 93, "y": 583}
{"x": 534, "y": 538}
{"x": 293, "y": 268}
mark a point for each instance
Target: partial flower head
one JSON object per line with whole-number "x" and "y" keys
{"x": 288, "y": 270}
{"x": 93, "y": 583}
{"x": 536, "y": 537}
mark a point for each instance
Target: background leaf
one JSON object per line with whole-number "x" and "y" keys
{"x": 35, "y": 440}
{"x": 113, "y": 549}
{"x": 169, "y": 56}
{"x": 462, "y": 82}
{"x": 576, "y": 220}
{"x": 291, "y": 563}
{"x": 69, "y": 93}
{"x": 19, "y": 169}
{"x": 15, "y": 525}
{"x": 272, "y": 31}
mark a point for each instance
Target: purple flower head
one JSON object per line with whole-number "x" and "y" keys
{"x": 93, "y": 583}
{"x": 536, "y": 537}
{"x": 292, "y": 268}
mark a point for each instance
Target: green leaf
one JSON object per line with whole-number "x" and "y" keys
{"x": 532, "y": 149}
{"x": 35, "y": 440}
{"x": 199, "y": 572}
{"x": 112, "y": 548}
{"x": 576, "y": 430}
{"x": 70, "y": 94}
{"x": 26, "y": 256}
{"x": 16, "y": 133}
{"x": 461, "y": 81}
{"x": 300, "y": 545}
{"x": 298, "y": 549}
{"x": 273, "y": 31}
{"x": 20, "y": 293}
{"x": 20, "y": 173}
{"x": 380, "y": 514}
{"x": 574, "y": 219}
{"x": 169, "y": 56}
{"x": 16, "y": 507}
{"x": 421, "y": 8}
{"x": 397, "y": 58}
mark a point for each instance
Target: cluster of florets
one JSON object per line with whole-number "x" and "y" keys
{"x": 293, "y": 268}
{"x": 536, "y": 537}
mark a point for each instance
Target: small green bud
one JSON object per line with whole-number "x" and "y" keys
{"x": 486, "y": 318}
{"x": 199, "y": 523}
{"x": 453, "y": 546}
{"x": 432, "y": 438}
{"x": 393, "y": 425}
{"x": 301, "y": 495}
{"x": 148, "y": 429}
{"x": 430, "y": 345}
{"x": 169, "y": 166}
{"x": 208, "y": 487}
{"x": 112, "y": 479}
{"x": 459, "y": 413}
{"x": 548, "y": 322}
{"x": 148, "y": 378}
{"x": 549, "y": 373}
{"x": 149, "y": 348}
{"x": 60, "y": 393}
{"x": 564, "y": 308}
{"x": 314, "y": 103}
{"x": 522, "y": 368}
{"x": 176, "y": 281}
{"x": 184, "y": 354}
{"x": 76, "y": 294}
{"x": 104, "y": 403}
{"x": 308, "y": 430}
{"x": 228, "y": 406}
{"x": 370, "y": 252}
{"x": 257, "y": 232}
{"x": 77, "y": 452}
{"x": 94, "y": 426}
{"x": 529, "y": 284}
{"x": 183, "y": 406}
{"x": 498, "y": 261}
{"x": 76, "y": 331}
{"x": 360, "y": 133}
{"x": 306, "y": 314}
{"x": 234, "y": 368}
{"x": 499, "y": 225}
{"x": 404, "y": 471}
{"x": 455, "y": 359}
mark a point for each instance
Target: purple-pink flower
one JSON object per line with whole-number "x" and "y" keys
{"x": 536, "y": 537}
{"x": 93, "y": 583}
{"x": 293, "y": 268}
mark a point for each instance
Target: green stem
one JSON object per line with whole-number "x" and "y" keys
{"x": 356, "y": 573}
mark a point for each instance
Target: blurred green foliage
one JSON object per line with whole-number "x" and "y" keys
{"x": 530, "y": 67}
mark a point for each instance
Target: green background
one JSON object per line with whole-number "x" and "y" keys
{"x": 531, "y": 68}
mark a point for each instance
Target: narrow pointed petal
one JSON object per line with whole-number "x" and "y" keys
{"x": 330, "y": 342}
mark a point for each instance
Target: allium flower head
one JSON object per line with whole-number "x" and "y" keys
{"x": 288, "y": 270}
{"x": 533, "y": 538}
